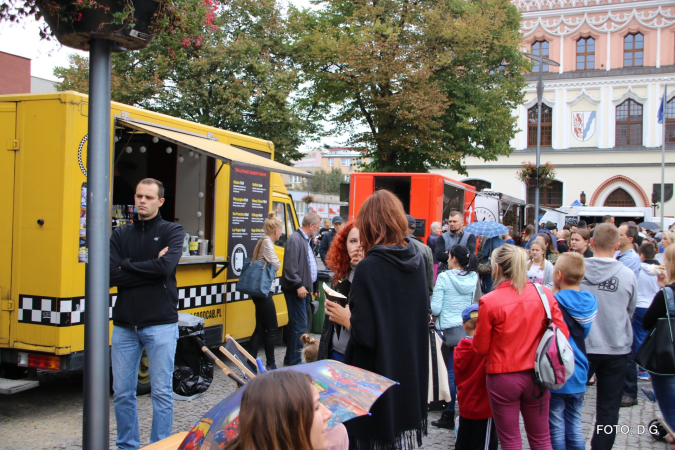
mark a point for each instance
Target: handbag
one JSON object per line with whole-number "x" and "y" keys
{"x": 439, "y": 385}
{"x": 657, "y": 353}
{"x": 452, "y": 336}
{"x": 256, "y": 276}
{"x": 485, "y": 266}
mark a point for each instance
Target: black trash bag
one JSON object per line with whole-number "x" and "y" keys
{"x": 193, "y": 370}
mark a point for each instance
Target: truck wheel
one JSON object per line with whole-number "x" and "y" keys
{"x": 143, "y": 386}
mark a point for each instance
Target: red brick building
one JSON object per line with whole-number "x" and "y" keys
{"x": 14, "y": 74}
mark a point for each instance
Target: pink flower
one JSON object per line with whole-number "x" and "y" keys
{"x": 186, "y": 42}
{"x": 79, "y": 2}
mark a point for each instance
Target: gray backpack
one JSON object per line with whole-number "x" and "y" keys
{"x": 554, "y": 359}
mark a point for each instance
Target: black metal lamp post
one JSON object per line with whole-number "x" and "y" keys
{"x": 582, "y": 198}
{"x": 540, "y": 59}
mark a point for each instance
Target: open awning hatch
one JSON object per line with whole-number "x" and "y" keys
{"x": 224, "y": 152}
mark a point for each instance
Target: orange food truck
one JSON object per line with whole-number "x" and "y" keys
{"x": 428, "y": 197}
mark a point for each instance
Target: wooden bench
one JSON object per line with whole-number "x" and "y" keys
{"x": 170, "y": 443}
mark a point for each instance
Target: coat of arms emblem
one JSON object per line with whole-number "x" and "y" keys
{"x": 583, "y": 125}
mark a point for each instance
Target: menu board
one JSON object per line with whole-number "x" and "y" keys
{"x": 249, "y": 206}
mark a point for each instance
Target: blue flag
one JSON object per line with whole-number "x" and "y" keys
{"x": 659, "y": 115}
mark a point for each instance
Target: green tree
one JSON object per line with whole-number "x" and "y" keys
{"x": 419, "y": 84}
{"x": 238, "y": 77}
{"x": 324, "y": 182}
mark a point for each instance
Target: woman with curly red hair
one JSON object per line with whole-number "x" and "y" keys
{"x": 343, "y": 255}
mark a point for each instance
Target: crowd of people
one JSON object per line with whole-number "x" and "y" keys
{"x": 604, "y": 288}
{"x": 598, "y": 293}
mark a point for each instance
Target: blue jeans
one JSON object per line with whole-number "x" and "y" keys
{"x": 127, "y": 347}
{"x": 297, "y": 325}
{"x": 337, "y": 356}
{"x": 451, "y": 380}
{"x": 664, "y": 390}
{"x": 564, "y": 420}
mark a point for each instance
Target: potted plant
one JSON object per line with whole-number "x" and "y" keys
{"x": 130, "y": 23}
{"x": 528, "y": 174}
{"x": 307, "y": 199}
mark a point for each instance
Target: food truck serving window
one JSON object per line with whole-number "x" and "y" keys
{"x": 188, "y": 180}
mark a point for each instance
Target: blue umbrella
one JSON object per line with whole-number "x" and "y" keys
{"x": 486, "y": 229}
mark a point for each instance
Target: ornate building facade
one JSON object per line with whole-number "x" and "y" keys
{"x": 600, "y": 106}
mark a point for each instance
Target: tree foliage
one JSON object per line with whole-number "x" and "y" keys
{"x": 324, "y": 182}
{"x": 238, "y": 77}
{"x": 418, "y": 83}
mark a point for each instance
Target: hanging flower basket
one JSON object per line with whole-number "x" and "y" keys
{"x": 308, "y": 199}
{"x": 528, "y": 174}
{"x": 129, "y": 23}
{"x": 75, "y": 22}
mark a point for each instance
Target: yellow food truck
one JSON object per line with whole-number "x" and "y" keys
{"x": 219, "y": 185}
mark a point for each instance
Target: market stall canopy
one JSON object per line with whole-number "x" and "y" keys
{"x": 224, "y": 152}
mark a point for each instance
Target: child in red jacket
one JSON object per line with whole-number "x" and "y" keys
{"x": 476, "y": 427}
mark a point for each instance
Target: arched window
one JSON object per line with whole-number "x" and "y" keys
{"x": 619, "y": 197}
{"x": 551, "y": 197}
{"x": 670, "y": 121}
{"x": 546, "y": 126}
{"x": 540, "y": 48}
{"x": 633, "y": 50}
{"x": 479, "y": 184}
{"x": 586, "y": 53}
{"x": 629, "y": 123}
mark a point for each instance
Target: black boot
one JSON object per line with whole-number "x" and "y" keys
{"x": 447, "y": 420}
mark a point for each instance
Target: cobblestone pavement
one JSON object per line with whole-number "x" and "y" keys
{"x": 50, "y": 417}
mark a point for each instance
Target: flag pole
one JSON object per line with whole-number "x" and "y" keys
{"x": 663, "y": 159}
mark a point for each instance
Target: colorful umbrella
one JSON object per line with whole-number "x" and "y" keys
{"x": 486, "y": 229}
{"x": 345, "y": 390}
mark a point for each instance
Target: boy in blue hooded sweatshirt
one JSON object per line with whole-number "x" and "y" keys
{"x": 579, "y": 309}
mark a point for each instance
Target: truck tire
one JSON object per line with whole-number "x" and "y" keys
{"x": 143, "y": 385}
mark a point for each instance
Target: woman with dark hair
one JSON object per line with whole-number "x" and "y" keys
{"x": 389, "y": 327}
{"x": 281, "y": 410}
{"x": 343, "y": 256}
{"x": 508, "y": 331}
{"x": 551, "y": 251}
{"x": 580, "y": 243}
{"x": 454, "y": 291}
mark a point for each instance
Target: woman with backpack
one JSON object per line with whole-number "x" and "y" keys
{"x": 508, "y": 331}
{"x": 453, "y": 292}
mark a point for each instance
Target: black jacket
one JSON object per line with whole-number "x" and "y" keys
{"x": 147, "y": 293}
{"x": 390, "y": 336}
{"x": 326, "y": 240}
{"x": 326, "y": 342}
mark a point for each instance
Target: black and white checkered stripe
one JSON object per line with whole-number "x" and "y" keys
{"x": 232, "y": 295}
{"x": 62, "y": 312}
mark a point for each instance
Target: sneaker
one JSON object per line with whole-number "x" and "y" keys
{"x": 271, "y": 366}
{"x": 447, "y": 420}
{"x": 643, "y": 375}
{"x": 627, "y": 401}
